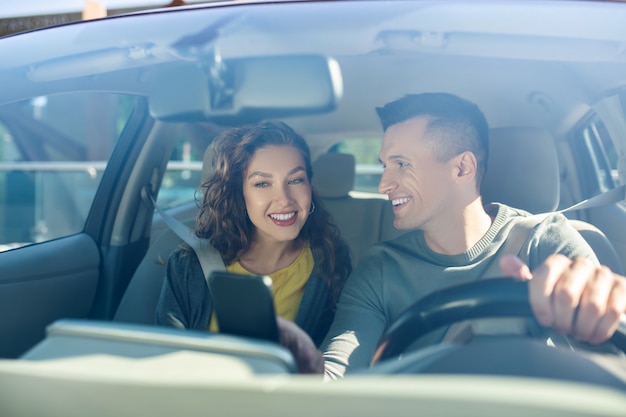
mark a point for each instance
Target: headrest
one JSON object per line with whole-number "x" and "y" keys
{"x": 523, "y": 169}
{"x": 333, "y": 174}
{"x": 207, "y": 163}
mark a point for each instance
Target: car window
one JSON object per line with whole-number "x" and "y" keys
{"x": 53, "y": 151}
{"x": 184, "y": 170}
{"x": 368, "y": 169}
{"x": 596, "y": 152}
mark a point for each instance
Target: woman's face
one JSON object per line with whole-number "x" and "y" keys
{"x": 277, "y": 193}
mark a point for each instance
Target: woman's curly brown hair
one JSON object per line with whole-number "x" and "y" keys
{"x": 223, "y": 220}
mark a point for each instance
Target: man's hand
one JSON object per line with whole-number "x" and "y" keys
{"x": 576, "y": 297}
{"x": 308, "y": 358}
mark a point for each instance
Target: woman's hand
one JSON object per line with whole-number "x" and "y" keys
{"x": 308, "y": 358}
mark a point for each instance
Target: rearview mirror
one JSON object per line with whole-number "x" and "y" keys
{"x": 247, "y": 89}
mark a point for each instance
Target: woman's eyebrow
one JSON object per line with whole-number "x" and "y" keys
{"x": 268, "y": 175}
{"x": 297, "y": 169}
{"x": 260, "y": 174}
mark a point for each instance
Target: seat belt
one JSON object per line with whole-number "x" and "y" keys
{"x": 209, "y": 257}
{"x": 520, "y": 233}
{"x": 614, "y": 195}
{"x": 516, "y": 242}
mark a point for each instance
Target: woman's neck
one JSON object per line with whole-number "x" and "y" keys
{"x": 264, "y": 258}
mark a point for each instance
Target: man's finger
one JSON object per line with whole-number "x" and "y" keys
{"x": 512, "y": 266}
{"x": 568, "y": 293}
{"x": 593, "y": 304}
{"x": 541, "y": 287}
{"x": 615, "y": 311}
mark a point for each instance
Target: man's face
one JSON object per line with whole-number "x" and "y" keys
{"x": 417, "y": 184}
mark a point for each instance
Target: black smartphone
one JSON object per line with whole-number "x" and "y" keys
{"x": 244, "y": 305}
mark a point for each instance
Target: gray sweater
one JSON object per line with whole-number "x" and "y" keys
{"x": 394, "y": 274}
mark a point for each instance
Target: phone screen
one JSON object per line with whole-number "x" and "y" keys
{"x": 244, "y": 305}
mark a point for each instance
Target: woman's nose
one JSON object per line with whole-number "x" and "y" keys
{"x": 283, "y": 194}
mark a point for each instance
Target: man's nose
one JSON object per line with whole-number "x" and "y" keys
{"x": 387, "y": 184}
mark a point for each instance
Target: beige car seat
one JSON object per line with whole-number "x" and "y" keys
{"x": 359, "y": 219}
{"x": 523, "y": 172}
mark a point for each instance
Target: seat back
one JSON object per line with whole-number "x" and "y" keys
{"x": 359, "y": 219}
{"x": 523, "y": 172}
{"x": 606, "y": 253}
{"x": 138, "y": 304}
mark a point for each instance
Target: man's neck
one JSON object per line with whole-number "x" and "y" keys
{"x": 457, "y": 232}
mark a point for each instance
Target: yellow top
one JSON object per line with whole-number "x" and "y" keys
{"x": 287, "y": 285}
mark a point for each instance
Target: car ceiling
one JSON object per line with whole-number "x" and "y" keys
{"x": 427, "y": 46}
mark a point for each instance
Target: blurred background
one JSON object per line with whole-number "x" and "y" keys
{"x": 19, "y": 16}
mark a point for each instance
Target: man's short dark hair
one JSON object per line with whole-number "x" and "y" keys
{"x": 455, "y": 125}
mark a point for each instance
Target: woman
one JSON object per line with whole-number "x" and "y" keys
{"x": 262, "y": 215}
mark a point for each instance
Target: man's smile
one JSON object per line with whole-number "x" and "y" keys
{"x": 399, "y": 201}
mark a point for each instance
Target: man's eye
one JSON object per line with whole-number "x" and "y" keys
{"x": 402, "y": 164}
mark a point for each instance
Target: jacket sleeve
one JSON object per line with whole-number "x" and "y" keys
{"x": 556, "y": 235}
{"x": 359, "y": 321}
{"x": 185, "y": 301}
{"x": 316, "y": 312}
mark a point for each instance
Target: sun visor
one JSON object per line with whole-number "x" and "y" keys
{"x": 247, "y": 89}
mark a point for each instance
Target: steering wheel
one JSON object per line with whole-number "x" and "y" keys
{"x": 497, "y": 297}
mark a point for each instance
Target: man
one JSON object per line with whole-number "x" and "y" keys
{"x": 434, "y": 153}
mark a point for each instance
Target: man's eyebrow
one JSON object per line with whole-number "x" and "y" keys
{"x": 393, "y": 158}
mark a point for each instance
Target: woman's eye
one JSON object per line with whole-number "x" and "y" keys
{"x": 296, "y": 181}
{"x": 261, "y": 184}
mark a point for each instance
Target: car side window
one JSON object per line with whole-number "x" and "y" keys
{"x": 184, "y": 171}
{"x": 53, "y": 151}
{"x": 596, "y": 152}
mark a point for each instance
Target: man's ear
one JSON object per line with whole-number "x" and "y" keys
{"x": 465, "y": 167}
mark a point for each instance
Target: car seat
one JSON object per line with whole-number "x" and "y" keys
{"x": 138, "y": 304}
{"x": 523, "y": 172}
{"x": 359, "y": 219}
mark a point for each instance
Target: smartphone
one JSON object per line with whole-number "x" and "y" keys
{"x": 244, "y": 305}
